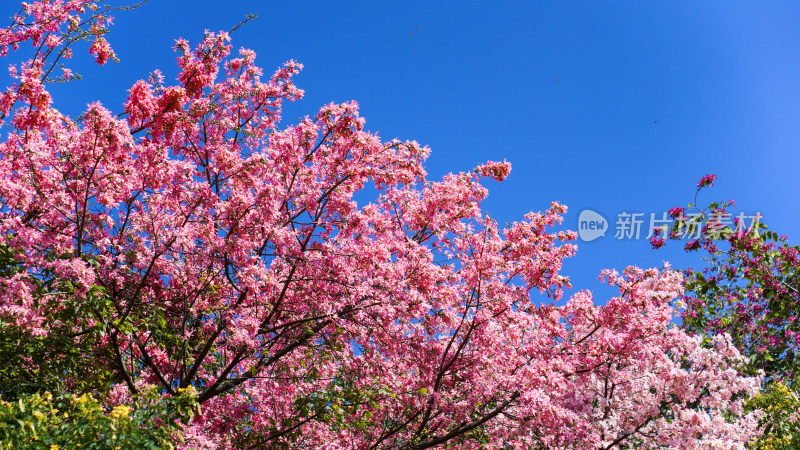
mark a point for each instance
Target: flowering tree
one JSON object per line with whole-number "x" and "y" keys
{"x": 749, "y": 289}
{"x": 189, "y": 247}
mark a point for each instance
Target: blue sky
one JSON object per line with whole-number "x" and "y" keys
{"x": 477, "y": 82}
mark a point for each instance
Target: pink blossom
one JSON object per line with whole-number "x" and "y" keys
{"x": 706, "y": 181}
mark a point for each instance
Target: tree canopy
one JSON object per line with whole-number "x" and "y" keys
{"x": 189, "y": 263}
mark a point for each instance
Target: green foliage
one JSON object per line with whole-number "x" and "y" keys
{"x": 781, "y": 408}
{"x": 42, "y": 421}
{"x": 52, "y": 386}
{"x": 70, "y": 356}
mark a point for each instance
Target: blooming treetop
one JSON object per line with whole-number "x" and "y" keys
{"x": 206, "y": 249}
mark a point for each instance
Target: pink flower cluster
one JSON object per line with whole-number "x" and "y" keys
{"x": 706, "y": 181}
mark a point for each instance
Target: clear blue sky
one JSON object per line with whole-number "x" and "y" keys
{"x": 478, "y": 82}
